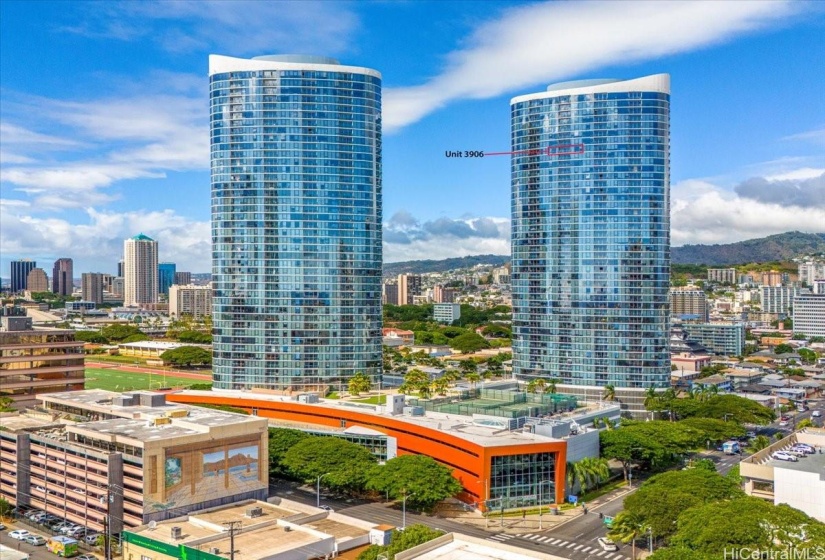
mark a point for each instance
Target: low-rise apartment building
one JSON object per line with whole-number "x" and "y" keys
{"x": 727, "y": 339}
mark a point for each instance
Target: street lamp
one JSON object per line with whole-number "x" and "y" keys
{"x": 404, "y": 510}
{"x": 318, "y": 490}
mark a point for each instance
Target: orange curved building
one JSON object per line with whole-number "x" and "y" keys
{"x": 509, "y": 468}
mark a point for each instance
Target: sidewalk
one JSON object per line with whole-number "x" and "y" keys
{"x": 518, "y": 524}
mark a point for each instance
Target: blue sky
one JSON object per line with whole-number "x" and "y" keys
{"x": 103, "y": 113}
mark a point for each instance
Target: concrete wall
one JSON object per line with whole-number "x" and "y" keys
{"x": 803, "y": 490}
{"x": 583, "y": 445}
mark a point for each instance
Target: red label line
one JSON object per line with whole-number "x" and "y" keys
{"x": 554, "y": 150}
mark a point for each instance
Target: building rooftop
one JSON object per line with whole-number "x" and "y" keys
{"x": 463, "y": 547}
{"x": 811, "y": 463}
{"x": 486, "y": 431}
{"x": 150, "y": 418}
{"x": 142, "y": 237}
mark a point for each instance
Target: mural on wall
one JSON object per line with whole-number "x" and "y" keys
{"x": 173, "y": 472}
{"x": 200, "y": 475}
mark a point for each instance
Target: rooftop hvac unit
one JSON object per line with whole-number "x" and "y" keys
{"x": 254, "y": 512}
{"x": 214, "y": 550}
{"x": 176, "y": 533}
{"x": 287, "y": 528}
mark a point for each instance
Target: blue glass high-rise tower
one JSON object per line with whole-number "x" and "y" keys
{"x": 591, "y": 234}
{"x": 296, "y": 221}
{"x": 166, "y": 277}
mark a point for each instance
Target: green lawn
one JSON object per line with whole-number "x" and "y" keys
{"x": 375, "y": 399}
{"x": 112, "y": 380}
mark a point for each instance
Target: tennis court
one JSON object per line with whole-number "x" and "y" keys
{"x": 113, "y": 380}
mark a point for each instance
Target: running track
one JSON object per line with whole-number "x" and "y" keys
{"x": 140, "y": 369}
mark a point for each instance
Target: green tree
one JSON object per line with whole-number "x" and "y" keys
{"x": 468, "y": 366}
{"x": 679, "y": 553}
{"x": 359, "y": 383}
{"x": 654, "y": 444}
{"x": 746, "y": 521}
{"x": 662, "y": 498}
{"x": 416, "y": 381}
{"x": 425, "y": 481}
{"x": 807, "y": 355}
{"x": 440, "y": 385}
{"x": 783, "y": 349}
{"x": 281, "y": 440}
{"x": 187, "y": 356}
{"x": 194, "y": 337}
{"x": 806, "y": 423}
{"x": 400, "y": 541}
{"x": 6, "y": 404}
{"x": 705, "y": 465}
{"x": 609, "y": 393}
{"x": 344, "y": 465}
{"x": 737, "y": 409}
{"x": 713, "y": 429}
{"x": 117, "y": 333}
{"x": 626, "y": 528}
{"x": 468, "y": 343}
{"x": 5, "y": 508}
{"x": 93, "y": 337}
{"x": 138, "y": 337}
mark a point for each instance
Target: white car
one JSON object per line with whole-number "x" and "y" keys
{"x": 783, "y": 423}
{"x": 782, "y": 456}
{"x": 19, "y": 534}
{"x": 796, "y": 452}
{"x": 607, "y": 544}
{"x": 816, "y": 414}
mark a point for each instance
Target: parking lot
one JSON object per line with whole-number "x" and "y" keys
{"x": 31, "y": 531}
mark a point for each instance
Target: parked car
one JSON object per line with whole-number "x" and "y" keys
{"x": 35, "y": 540}
{"x": 782, "y": 456}
{"x": 816, "y": 413}
{"x": 36, "y": 514}
{"x": 607, "y": 544}
{"x": 751, "y": 434}
{"x": 2, "y": 527}
{"x": 86, "y": 557}
{"x": 19, "y": 534}
{"x": 92, "y": 538}
{"x": 68, "y": 528}
{"x": 804, "y": 447}
{"x": 798, "y": 453}
{"x": 327, "y": 508}
{"x": 78, "y": 532}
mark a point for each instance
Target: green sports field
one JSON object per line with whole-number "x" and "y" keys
{"x": 113, "y": 380}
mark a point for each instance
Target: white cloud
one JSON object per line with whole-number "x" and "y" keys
{"x": 540, "y": 43}
{"x": 702, "y": 212}
{"x": 100, "y": 238}
{"x": 816, "y": 136}
{"x": 240, "y": 26}
{"x": 407, "y": 238}
{"x": 117, "y": 138}
{"x": 797, "y": 174}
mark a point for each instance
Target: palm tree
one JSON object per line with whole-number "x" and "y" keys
{"x": 440, "y": 385}
{"x": 626, "y": 528}
{"x": 551, "y": 385}
{"x": 758, "y": 443}
{"x": 609, "y": 392}
{"x": 531, "y": 386}
{"x": 473, "y": 378}
{"x": 651, "y": 398}
{"x": 541, "y": 383}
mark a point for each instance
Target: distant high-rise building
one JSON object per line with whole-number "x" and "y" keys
{"x": 771, "y": 278}
{"x": 722, "y": 275}
{"x": 195, "y": 301}
{"x": 777, "y": 299}
{"x": 20, "y": 274}
{"x": 120, "y": 265}
{"x": 118, "y": 287}
{"x": 390, "y": 293}
{"x": 91, "y": 286}
{"x": 446, "y": 313}
{"x": 689, "y": 303}
{"x": 409, "y": 285}
{"x": 166, "y": 277}
{"x": 108, "y": 281}
{"x": 140, "y": 270}
{"x": 591, "y": 236}
{"x": 810, "y": 271}
{"x": 37, "y": 281}
{"x": 809, "y": 315}
{"x": 501, "y": 275}
{"x": 62, "y": 279}
{"x": 183, "y": 278}
{"x": 296, "y": 221}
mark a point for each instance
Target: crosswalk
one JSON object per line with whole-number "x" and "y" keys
{"x": 567, "y": 546}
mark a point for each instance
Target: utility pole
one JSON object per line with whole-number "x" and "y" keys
{"x": 232, "y": 526}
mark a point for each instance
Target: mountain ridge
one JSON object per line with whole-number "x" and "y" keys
{"x": 779, "y": 247}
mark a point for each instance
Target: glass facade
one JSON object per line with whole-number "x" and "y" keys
{"x": 591, "y": 233}
{"x": 296, "y": 222}
{"x": 166, "y": 277}
{"x": 522, "y": 480}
